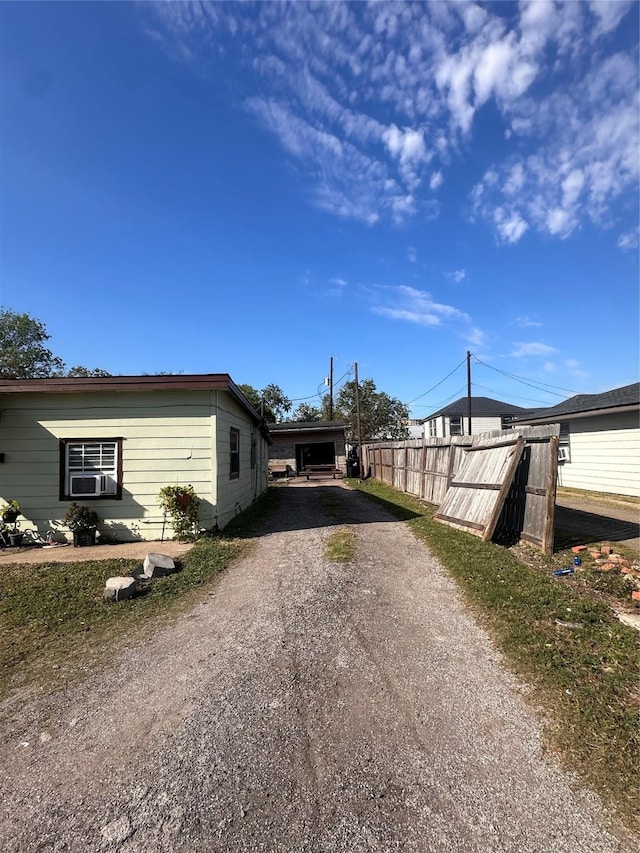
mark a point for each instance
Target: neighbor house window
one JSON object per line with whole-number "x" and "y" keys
{"x": 564, "y": 443}
{"x": 234, "y": 448}
{"x": 90, "y": 468}
{"x": 433, "y": 428}
{"x": 455, "y": 426}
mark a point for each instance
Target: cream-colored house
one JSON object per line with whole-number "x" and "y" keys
{"x": 114, "y": 442}
{"x": 599, "y": 447}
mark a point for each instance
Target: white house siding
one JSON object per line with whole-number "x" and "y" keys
{"x": 605, "y": 454}
{"x": 479, "y": 425}
{"x": 167, "y": 440}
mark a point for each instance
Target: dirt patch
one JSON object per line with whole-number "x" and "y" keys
{"x": 69, "y": 554}
{"x": 303, "y": 705}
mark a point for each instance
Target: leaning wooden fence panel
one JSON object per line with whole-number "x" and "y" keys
{"x": 476, "y": 496}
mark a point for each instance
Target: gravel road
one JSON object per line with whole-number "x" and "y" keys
{"x": 302, "y": 706}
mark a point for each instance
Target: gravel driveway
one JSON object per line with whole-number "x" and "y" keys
{"x": 302, "y": 706}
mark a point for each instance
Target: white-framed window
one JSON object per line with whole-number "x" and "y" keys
{"x": 234, "y": 453}
{"x": 433, "y": 428}
{"x": 455, "y": 426}
{"x": 90, "y": 468}
{"x": 564, "y": 443}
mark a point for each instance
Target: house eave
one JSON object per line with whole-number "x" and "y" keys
{"x": 571, "y": 416}
{"x": 139, "y": 384}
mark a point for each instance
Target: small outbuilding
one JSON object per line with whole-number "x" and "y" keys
{"x": 303, "y": 445}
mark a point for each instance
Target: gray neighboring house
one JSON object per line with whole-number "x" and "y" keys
{"x": 486, "y": 415}
{"x": 301, "y": 443}
{"x": 599, "y": 446}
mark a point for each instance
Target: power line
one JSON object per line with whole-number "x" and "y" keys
{"x": 429, "y": 390}
{"x": 442, "y": 403}
{"x": 515, "y": 396}
{"x": 318, "y": 392}
{"x": 540, "y": 386}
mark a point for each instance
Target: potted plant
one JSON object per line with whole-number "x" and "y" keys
{"x": 82, "y": 521}
{"x": 10, "y": 512}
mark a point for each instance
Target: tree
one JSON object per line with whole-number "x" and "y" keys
{"x": 23, "y": 354}
{"x": 81, "y": 372}
{"x": 307, "y": 412}
{"x": 276, "y": 403}
{"x": 381, "y": 416}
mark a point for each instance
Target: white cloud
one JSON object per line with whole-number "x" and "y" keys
{"x": 458, "y": 275}
{"x": 476, "y": 337}
{"x": 412, "y": 255}
{"x": 608, "y": 14}
{"x": 339, "y": 281}
{"x": 435, "y": 180}
{"x": 375, "y": 102}
{"x": 588, "y": 161}
{"x": 527, "y": 322}
{"x": 628, "y": 240}
{"x": 414, "y": 306}
{"x": 511, "y": 226}
{"x": 533, "y": 348}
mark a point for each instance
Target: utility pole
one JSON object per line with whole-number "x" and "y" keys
{"x": 331, "y": 389}
{"x": 358, "y": 424}
{"x": 469, "y": 390}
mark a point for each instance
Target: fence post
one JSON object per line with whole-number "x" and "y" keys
{"x": 406, "y": 467}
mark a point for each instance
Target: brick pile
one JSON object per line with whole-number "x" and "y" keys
{"x": 606, "y": 560}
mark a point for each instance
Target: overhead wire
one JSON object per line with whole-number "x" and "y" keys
{"x": 319, "y": 393}
{"x": 436, "y": 406}
{"x": 429, "y": 390}
{"x": 515, "y": 396}
{"x": 539, "y": 386}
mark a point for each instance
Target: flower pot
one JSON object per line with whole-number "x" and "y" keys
{"x": 84, "y": 538}
{"x": 9, "y": 516}
{"x": 15, "y": 539}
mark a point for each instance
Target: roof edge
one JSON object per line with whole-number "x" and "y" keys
{"x": 92, "y": 385}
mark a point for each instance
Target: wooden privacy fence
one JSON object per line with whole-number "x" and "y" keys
{"x": 418, "y": 467}
{"x": 500, "y": 484}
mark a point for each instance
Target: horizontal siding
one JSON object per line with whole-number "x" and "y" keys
{"x": 235, "y": 495}
{"x": 480, "y": 425}
{"x": 605, "y": 455}
{"x": 165, "y": 442}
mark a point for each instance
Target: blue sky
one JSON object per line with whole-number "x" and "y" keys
{"x": 253, "y": 188}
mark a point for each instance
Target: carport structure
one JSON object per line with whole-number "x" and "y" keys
{"x": 303, "y": 444}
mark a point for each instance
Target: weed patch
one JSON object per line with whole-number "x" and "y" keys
{"x": 341, "y": 546}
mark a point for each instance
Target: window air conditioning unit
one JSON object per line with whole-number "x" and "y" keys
{"x": 81, "y": 485}
{"x": 563, "y": 454}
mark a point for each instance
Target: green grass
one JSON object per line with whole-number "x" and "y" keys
{"x": 341, "y": 546}
{"x": 54, "y": 619}
{"x": 54, "y": 616}
{"x": 585, "y": 679}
